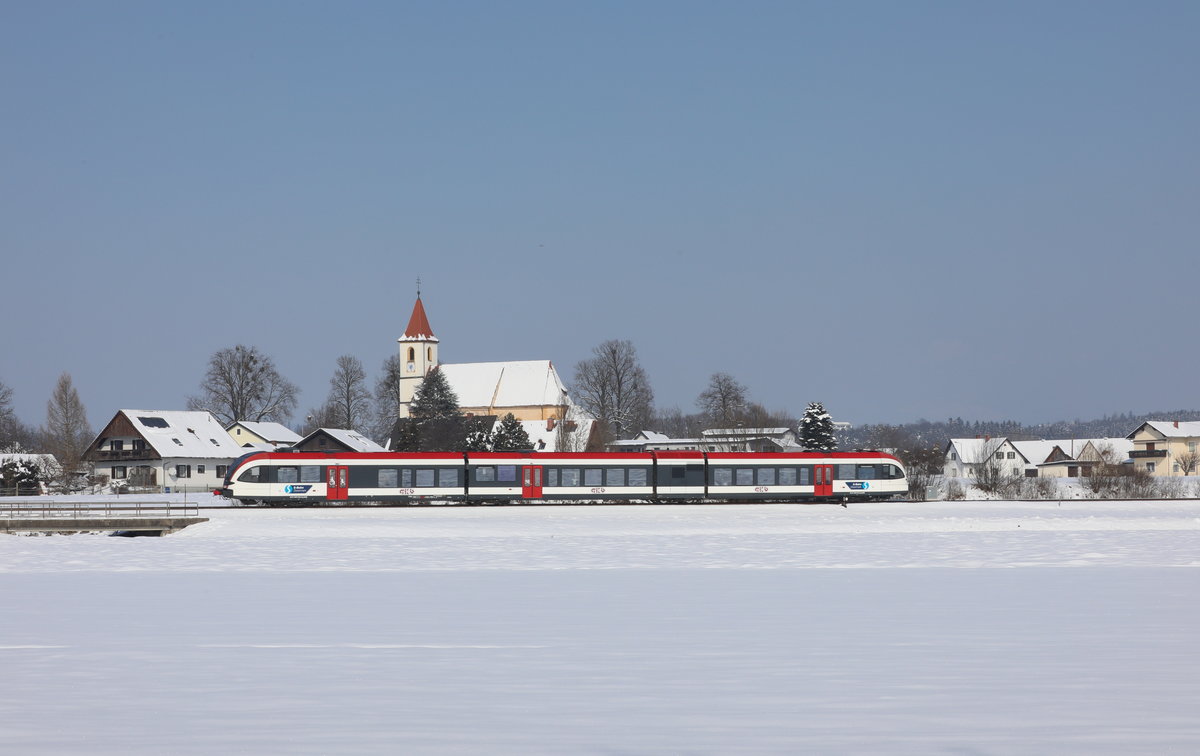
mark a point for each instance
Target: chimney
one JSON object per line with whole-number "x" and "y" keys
{"x": 550, "y": 423}
{"x": 1176, "y": 423}
{"x": 987, "y": 437}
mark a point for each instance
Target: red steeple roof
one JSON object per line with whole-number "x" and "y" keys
{"x": 418, "y": 325}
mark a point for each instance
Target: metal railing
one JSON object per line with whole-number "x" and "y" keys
{"x": 47, "y": 508}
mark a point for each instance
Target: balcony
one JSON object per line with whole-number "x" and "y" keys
{"x": 107, "y": 455}
{"x": 1144, "y": 453}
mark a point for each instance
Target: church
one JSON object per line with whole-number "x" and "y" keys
{"x": 530, "y": 389}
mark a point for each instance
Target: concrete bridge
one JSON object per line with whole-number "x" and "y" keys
{"x": 148, "y": 518}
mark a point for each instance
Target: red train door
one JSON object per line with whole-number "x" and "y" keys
{"x": 823, "y": 480}
{"x": 337, "y": 483}
{"x": 531, "y": 482}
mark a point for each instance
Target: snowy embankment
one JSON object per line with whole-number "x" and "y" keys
{"x": 998, "y": 627}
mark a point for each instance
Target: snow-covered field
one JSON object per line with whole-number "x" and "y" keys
{"x": 964, "y": 627}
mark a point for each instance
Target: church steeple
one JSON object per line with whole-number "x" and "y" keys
{"x": 418, "y": 354}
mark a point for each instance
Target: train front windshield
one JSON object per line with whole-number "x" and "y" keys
{"x": 234, "y": 466}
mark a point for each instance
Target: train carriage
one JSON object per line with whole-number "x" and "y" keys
{"x": 804, "y": 475}
{"x": 609, "y": 476}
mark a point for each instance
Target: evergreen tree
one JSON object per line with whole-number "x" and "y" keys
{"x": 434, "y": 399}
{"x": 816, "y": 429}
{"x": 511, "y": 435}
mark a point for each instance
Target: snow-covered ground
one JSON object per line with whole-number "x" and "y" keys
{"x": 946, "y": 627}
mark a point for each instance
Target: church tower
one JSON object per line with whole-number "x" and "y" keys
{"x": 418, "y": 355}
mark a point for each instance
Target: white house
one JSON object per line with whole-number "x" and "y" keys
{"x": 964, "y": 457}
{"x": 175, "y": 450}
{"x": 262, "y": 435}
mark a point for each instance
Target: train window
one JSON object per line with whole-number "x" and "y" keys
{"x": 722, "y": 476}
{"x": 845, "y": 472}
{"x": 485, "y": 474}
{"x": 893, "y": 472}
{"x": 593, "y": 476}
{"x": 787, "y": 476}
{"x": 766, "y": 476}
{"x": 389, "y": 477}
{"x": 743, "y": 476}
{"x": 614, "y": 476}
{"x": 806, "y": 476}
{"x": 287, "y": 474}
{"x": 448, "y": 477}
{"x": 637, "y": 476}
{"x": 866, "y": 472}
{"x": 311, "y": 474}
{"x": 570, "y": 476}
{"x": 425, "y": 478}
{"x": 552, "y": 477}
{"x": 677, "y": 472}
{"x": 506, "y": 473}
{"x": 406, "y": 478}
{"x": 253, "y": 475}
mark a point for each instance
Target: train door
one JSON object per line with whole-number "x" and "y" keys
{"x": 823, "y": 480}
{"x": 337, "y": 481}
{"x": 531, "y": 482}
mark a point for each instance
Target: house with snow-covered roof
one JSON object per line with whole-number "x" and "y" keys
{"x": 337, "y": 439}
{"x": 1166, "y": 447}
{"x": 175, "y": 450}
{"x": 262, "y": 435}
{"x": 965, "y": 456}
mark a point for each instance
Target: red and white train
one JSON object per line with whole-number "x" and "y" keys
{"x": 297, "y": 478}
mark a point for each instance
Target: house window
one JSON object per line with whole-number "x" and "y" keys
{"x": 953, "y": 456}
{"x": 999, "y": 455}
{"x": 117, "y": 446}
{"x": 239, "y": 431}
{"x": 1176, "y": 467}
{"x": 1150, "y": 467}
{"x": 1191, "y": 446}
{"x": 139, "y": 444}
{"x": 183, "y": 471}
{"x": 199, "y": 469}
{"x": 222, "y": 470}
{"x": 1149, "y": 447}
{"x": 1012, "y": 455}
{"x": 177, "y": 442}
{"x": 118, "y": 473}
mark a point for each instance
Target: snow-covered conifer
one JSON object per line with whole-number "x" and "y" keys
{"x": 816, "y": 429}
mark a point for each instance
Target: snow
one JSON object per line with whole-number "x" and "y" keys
{"x": 187, "y": 435}
{"x": 523, "y": 383}
{"x": 992, "y": 627}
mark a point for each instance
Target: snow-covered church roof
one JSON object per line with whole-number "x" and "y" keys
{"x": 496, "y": 385}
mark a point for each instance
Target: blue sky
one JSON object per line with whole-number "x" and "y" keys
{"x": 904, "y": 210}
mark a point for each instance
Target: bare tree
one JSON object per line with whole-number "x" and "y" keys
{"x": 724, "y": 401}
{"x": 349, "y": 401}
{"x": 66, "y": 434}
{"x": 614, "y": 388}
{"x": 387, "y": 398}
{"x": 569, "y": 430}
{"x": 1188, "y": 461}
{"x": 242, "y": 383}
{"x": 319, "y": 417}
{"x": 991, "y": 475}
